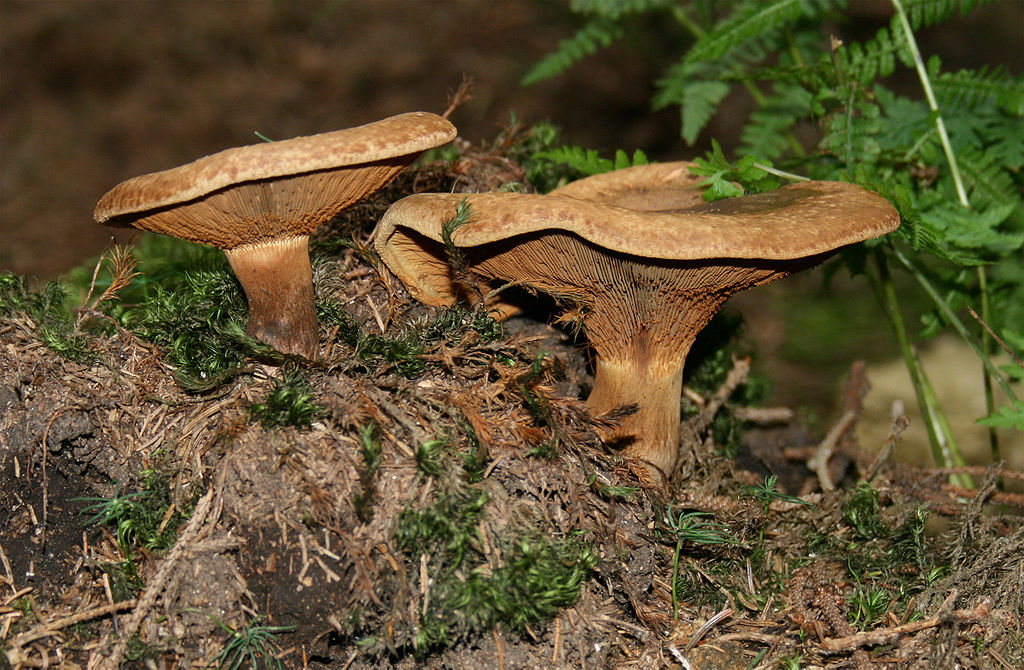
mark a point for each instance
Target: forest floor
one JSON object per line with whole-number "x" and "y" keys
{"x": 432, "y": 492}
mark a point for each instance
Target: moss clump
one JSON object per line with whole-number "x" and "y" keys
{"x": 535, "y": 577}
{"x": 289, "y": 403}
{"x": 51, "y": 311}
{"x": 405, "y": 353}
{"x": 196, "y": 318}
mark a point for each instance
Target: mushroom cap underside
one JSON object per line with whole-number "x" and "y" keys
{"x": 393, "y": 137}
{"x": 794, "y": 221}
{"x": 261, "y": 211}
{"x": 575, "y": 270}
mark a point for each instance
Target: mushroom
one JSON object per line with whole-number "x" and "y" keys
{"x": 259, "y": 203}
{"x": 644, "y": 257}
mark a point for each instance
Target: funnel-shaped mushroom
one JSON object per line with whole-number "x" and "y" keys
{"x": 259, "y": 203}
{"x": 644, "y": 257}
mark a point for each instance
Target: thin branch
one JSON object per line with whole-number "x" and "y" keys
{"x": 53, "y": 628}
{"x": 940, "y": 125}
{"x": 999, "y": 340}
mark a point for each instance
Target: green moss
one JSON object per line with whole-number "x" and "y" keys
{"x": 196, "y": 318}
{"x": 537, "y": 575}
{"x": 371, "y": 452}
{"x": 289, "y": 403}
{"x": 860, "y": 512}
{"x": 405, "y": 351}
{"x": 51, "y": 310}
{"x": 139, "y": 518}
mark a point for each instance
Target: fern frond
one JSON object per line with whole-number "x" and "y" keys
{"x": 863, "y": 63}
{"x": 975, "y": 232}
{"x": 700, "y": 102}
{"x": 752, "y": 19}
{"x": 588, "y": 161}
{"x": 616, "y": 9}
{"x": 990, "y": 185}
{"x": 983, "y": 88}
{"x": 595, "y": 34}
{"x": 924, "y": 13}
{"x": 1006, "y": 417}
{"x": 765, "y": 133}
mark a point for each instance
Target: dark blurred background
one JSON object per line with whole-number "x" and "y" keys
{"x": 93, "y": 92}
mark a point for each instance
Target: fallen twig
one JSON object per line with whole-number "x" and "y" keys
{"x": 900, "y": 422}
{"x": 823, "y": 454}
{"x": 887, "y": 635}
{"x": 156, "y": 587}
{"x": 54, "y": 627}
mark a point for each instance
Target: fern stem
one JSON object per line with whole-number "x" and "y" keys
{"x": 680, "y": 15}
{"x": 794, "y": 50}
{"x": 940, "y": 125}
{"x": 944, "y": 448}
{"x": 986, "y": 349}
{"x": 780, "y": 173}
{"x": 950, "y": 316}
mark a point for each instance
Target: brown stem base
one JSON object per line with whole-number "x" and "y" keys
{"x": 651, "y": 434}
{"x": 278, "y": 282}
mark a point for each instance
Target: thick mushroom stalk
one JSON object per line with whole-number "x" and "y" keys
{"x": 278, "y": 282}
{"x": 259, "y": 203}
{"x": 644, "y": 259}
{"x": 641, "y": 316}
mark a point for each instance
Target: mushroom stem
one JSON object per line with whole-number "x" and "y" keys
{"x": 278, "y": 282}
{"x": 651, "y": 434}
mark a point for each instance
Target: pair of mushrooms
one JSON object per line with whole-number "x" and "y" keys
{"x": 647, "y": 260}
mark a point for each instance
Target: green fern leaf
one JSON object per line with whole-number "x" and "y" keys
{"x": 975, "y": 232}
{"x": 753, "y": 19}
{"x": 989, "y": 183}
{"x": 701, "y": 102}
{"x": 595, "y": 34}
{"x": 864, "y": 63}
{"x": 615, "y": 9}
{"x": 725, "y": 180}
{"x": 765, "y": 133}
{"x": 974, "y": 89}
{"x": 924, "y": 13}
{"x": 1006, "y": 417}
{"x": 588, "y": 161}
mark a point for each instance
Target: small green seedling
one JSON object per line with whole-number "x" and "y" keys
{"x": 253, "y": 644}
{"x": 766, "y": 493}
{"x": 689, "y": 527}
{"x": 289, "y": 403}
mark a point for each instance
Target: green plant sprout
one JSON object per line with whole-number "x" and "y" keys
{"x": 867, "y": 605}
{"x": 428, "y": 458}
{"x": 950, "y": 159}
{"x": 120, "y": 510}
{"x": 689, "y": 527}
{"x": 766, "y": 493}
{"x": 369, "y": 437}
{"x": 611, "y": 492}
{"x": 252, "y": 643}
{"x": 140, "y": 517}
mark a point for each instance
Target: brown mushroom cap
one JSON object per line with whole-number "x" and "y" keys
{"x": 260, "y": 203}
{"x": 250, "y": 194}
{"x": 791, "y": 222}
{"x": 647, "y": 260}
